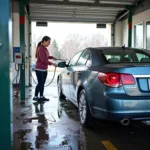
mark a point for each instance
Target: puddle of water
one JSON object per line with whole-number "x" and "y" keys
{"x": 19, "y": 138}
{"x": 57, "y": 139}
{"x": 44, "y": 130}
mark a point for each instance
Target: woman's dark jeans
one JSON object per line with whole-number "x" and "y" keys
{"x": 41, "y": 77}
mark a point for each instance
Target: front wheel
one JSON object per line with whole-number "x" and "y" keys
{"x": 86, "y": 118}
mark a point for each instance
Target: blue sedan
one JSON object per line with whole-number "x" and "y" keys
{"x": 109, "y": 83}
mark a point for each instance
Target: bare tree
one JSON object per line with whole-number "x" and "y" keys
{"x": 65, "y": 52}
{"x": 95, "y": 40}
{"x": 75, "y": 43}
{"x": 72, "y": 45}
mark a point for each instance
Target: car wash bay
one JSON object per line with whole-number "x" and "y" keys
{"x": 55, "y": 125}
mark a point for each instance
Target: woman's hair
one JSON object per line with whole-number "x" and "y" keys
{"x": 45, "y": 38}
{"x": 38, "y": 45}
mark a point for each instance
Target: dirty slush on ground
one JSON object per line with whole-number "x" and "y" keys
{"x": 37, "y": 125}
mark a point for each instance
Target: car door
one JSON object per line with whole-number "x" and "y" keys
{"x": 66, "y": 77}
{"x": 78, "y": 71}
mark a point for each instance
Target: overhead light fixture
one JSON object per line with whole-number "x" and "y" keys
{"x": 41, "y": 24}
{"x": 116, "y": 2}
{"x": 101, "y": 25}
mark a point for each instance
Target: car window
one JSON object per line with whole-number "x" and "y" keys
{"x": 118, "y": 57}
{"x": 111, "y": 56}
{"x": 83, "y": 59}
{"x": 131, "y": 56}
{"x": 142, "y": 57}
{"x": 74, "y": 60}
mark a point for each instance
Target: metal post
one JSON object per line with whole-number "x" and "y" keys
{"x": 22, "y": 49}
{"x": 5, "y": 101}
{"x": 30, "y": 59}
{"x": 130, "y": 28}
{"x": 112, "y": 35}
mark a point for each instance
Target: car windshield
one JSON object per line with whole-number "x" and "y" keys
{"x": 125, "y": 56}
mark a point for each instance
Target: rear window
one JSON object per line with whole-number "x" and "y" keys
{"x": 125, "y": 56}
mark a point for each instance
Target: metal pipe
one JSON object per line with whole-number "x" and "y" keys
{"x": 123, "y": 15}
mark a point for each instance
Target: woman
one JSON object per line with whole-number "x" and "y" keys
{"x": 41, "y": 67}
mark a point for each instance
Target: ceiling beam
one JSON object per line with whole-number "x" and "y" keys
{"x": 72, "y": 11}
{"x": 71, "y": 20}
{"x": 58, "y": 15}
{"x": 71, "y": 7}
{"x": 73, "y": 14}
{"x": 119, "y": 2}
{"x": 95, "y": 4}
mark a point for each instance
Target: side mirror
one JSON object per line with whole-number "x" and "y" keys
{"x": 62, "y": 64}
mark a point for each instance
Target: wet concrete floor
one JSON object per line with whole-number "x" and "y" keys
{"x": 37, "y": 126}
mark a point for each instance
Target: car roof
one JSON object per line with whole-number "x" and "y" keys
{"x": 115, "y": 48}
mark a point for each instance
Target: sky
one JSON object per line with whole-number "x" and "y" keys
{"x": 59, "y": 31}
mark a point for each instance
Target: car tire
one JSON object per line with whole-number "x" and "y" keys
{"x": 86, "y": 118}
{"x": 60, "y": 93}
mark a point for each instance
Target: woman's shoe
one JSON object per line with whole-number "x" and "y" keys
{"x": 44, "y": 99}
{"x": 35, "y": 98}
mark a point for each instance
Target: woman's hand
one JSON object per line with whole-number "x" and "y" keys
{"x": 51, "y": 57}
{"x": 55, "y": 58}
{"x": 55, "y": 65}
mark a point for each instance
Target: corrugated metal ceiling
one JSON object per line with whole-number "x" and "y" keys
{"x": 96, "y": 11}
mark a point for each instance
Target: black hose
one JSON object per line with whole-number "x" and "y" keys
{"x": 52, "y": 78}
{"x": 16, "y": 92}
{"x": 17, "y": 70}
{"x": 49, "y": 82}
{"x": 16, "y": 77}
